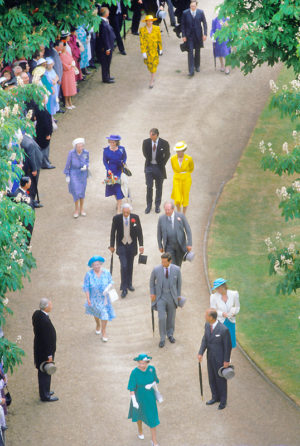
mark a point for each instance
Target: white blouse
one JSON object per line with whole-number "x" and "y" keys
{"x": 231, "y": 307}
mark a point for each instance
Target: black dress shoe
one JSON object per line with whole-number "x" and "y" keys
{"x": 50, "y": 399}
{"x": 161, "y": 344}
{"x": 147, "y": 210}
{"x": 61, "y": 111}
{"x": 109, "y": 81}
{"x": 123, "y": 53}
{"x": 210, "y": 402}
{"x": 157, "y": 209}
{"x": 36, "y": 204}
{"x": 135, "y": 34}
{"x": 131, "y": 288}
{"x": 112, "y": 78}
{"x": 172, "y": 339}
{"x": 221, "y": 406}
{"x": 124, "y": 293}
{"x": 191, "y": 74}
{"x": 49, "y": 166}
{"x": 198, "y": 69}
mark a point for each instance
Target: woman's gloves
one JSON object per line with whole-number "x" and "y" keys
{"x": 145, "y": 55}
{"x": 149, "y": 386}
{"x": 134, "y": 402}
{"x": 68, "y": 179}
{"x": 83, "y": 168}
{"x": 73, "y": 63}
{"x": 160, "y": 52}
{"x": 158, "y": 395}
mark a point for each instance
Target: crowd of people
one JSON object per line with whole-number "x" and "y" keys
{"x": 60, "y": 68}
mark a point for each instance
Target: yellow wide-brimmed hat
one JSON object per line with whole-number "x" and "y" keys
{"x": 149, "y": 17}
{"x": 179, "y": 146}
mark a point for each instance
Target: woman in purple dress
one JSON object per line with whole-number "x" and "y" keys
{"x": 76, "y": 172}
{"x": 114, "y": 158}
{"x": 221, "y": 49}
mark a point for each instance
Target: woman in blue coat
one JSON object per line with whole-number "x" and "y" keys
{"x": 143, "y": 392}
{"x": 221, "y": 49}
{"x": 114, "y": 158}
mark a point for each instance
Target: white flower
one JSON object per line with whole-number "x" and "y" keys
{"x": 20, "y": 262}
{"x": 18, "y": 198}
{"x": 13, "y": 156}
{"x": 273, "y": 86}
{"x": 285, "y": 147}
{"x": 277, "y": 268}
{"x": 283, "y": 194}
{"x": 8, "y": 268}
{"x": 280, "y": 29}
{"x": 15, "y": 109}
{"x": 29, "y": 114}
{"x": 19, "y": 339}
{"x": 296, "y": 186}
{"x": 5, "y": 301}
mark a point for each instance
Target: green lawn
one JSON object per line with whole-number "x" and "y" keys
{"x": 247, "y": 213}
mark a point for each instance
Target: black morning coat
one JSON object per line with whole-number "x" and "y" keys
{"x": 44, "y": 337}
{"x": 117, "y": 231}
{"x": 162, "y": 154}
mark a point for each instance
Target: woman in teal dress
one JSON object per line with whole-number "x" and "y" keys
{"x": 142, "y": 382}
{"x": 98, "y": 303}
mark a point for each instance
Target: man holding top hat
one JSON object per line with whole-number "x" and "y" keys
{"x": 194, "y": 32}
{"x": 44, "y": 348}
{"x": 217, "y": 342}
{"x": 165, "y": 294}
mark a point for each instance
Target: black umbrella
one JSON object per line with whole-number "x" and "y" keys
{"x": 165, "y": 23}
{"x": 111, "y": 263}
{"x": 152, "y": 315}
{"x": 214, "y": 51}
{"x": 200, "y": 380}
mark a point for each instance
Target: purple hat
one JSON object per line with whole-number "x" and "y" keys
{"x": 114, "y": 137}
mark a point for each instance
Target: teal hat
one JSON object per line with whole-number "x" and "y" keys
{"x": 143, "y": 357}
{"x": 95, "y": 259}
{"x": 218, "y": 282}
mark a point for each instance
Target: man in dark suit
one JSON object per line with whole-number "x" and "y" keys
{"x": 32, "y": 164}
{"x": 193, "y": 20}
{"x": 165, "y": 291}
{"x": 44, "y": 347}
{"x": 105, "y": 46}
{"x": 126, "y": 231}
{"x": 217, "y": 342}
{"x": 156, "y": 152}
{"x": 44, "y": 130}
{"x": 136, "y": 8}
{"x": 174, "y": 234}
{"x": 117, "y": 13}
{"x": 21, "y": 196}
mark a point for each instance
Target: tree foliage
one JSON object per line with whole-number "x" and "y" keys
{"x": 16, "y": 260}
{"x": 261, "y": 31}
{"x": 27, "y": 24}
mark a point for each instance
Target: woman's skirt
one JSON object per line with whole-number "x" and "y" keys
{"x": 231, "y": 328}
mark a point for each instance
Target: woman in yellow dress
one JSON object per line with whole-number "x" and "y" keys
{"x": 183, "y": 166}
{"x": 151, "y": 46}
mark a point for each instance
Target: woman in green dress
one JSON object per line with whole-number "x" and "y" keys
{"x": 143, "y": 386}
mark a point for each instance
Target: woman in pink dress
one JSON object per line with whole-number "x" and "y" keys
{"x": 68, "y": 82}
{"x": 75, "y": 48}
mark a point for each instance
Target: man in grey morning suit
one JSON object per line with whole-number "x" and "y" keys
{"x": 174, "y": 234}
{"x": 165, "y": 291}
{"x": 217, "y": 342}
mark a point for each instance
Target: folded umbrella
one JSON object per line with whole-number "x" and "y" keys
{"x": 152, "y": 315}
{"x": 111, "y": 263}
{"x": 200, "y": 380}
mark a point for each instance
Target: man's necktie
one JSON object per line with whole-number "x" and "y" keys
{"x": 211, "y": 328}
{"x": 167, "y": 273}
{"x": 154, "y": 147}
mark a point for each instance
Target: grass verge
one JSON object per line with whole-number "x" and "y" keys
{"x": 247, "y": 213}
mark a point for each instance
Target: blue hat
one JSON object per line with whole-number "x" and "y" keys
{"x": 143, "y": 357}
{"x": 114, "y": 137}
{"x": 95, "y": 259}
{"x": 218, "y": 282}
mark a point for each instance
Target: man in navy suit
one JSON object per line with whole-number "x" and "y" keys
{"x": 126, "y": 231}
{"x": 105, "y": 46}
{"x": 217, "y": 342}
{"x": 117, "y": 14}
{"x": 193, "y": 20}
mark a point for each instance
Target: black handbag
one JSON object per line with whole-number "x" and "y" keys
{"x": 7, "y": 396}
{"x": 127, "y": 171}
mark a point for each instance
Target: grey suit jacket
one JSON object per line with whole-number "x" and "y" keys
{"x": 182, "y": 228}
{"x": 156, "y": 282}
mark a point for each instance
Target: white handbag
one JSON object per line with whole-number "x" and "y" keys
{"x": 113, "y": 295}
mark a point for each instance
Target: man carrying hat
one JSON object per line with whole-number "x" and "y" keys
{"x": 217, "y": 342}
{"x": 44, "y": 348}
{"x": 194, "y": 32}
{"x": 126, "y": 231}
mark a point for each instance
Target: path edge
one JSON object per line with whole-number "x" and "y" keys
{"x": 205, "y": 267}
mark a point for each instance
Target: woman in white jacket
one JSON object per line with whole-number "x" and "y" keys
{"x": 227, "y": 304}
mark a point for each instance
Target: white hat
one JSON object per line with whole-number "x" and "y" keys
{"x": 78, "y": 141}
{"x": 179, "y": 146}
{"x": 49, "y": 60}
{"x": 40, "y": 61}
